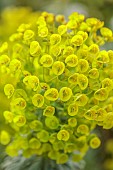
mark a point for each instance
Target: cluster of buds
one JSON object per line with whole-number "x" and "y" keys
{"x": 59, "y": 84}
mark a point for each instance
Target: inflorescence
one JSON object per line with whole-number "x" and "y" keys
{"x": 60, "y": 86}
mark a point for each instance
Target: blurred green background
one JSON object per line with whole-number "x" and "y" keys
{"x": 101, "y": 159}
{"x": 96, "y": 8}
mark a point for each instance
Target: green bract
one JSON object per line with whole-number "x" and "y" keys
{"x": 65, "y": 94}
{"x": 31, "y": 82}
{"x": 38, "y": 100}
{"x": 82, "y": 81}
{"x": 58, "y": 85}
{"x": 71, "y": 60}
{"x": 35, "y": 48}
{"x": 18, "y": 104}
{"x": 4, "y": 60}
{"x": 15, "y": 66}
{"x": 46, "y": 60}
{"x": 8, "y": 116}
{"x": 58, "y": 67}
{"x": 63, "y": 135}
{"x": 51, "y": 94}
{"x": 52, "y": 122}
{"x": 95, "y": 142}
{"x": 8, "y": 90}
{"x": 43, "y": 31}
{"x": 36, "y": 125}
{"x": 4, "y": 137}
{"x": 49, "y": 111}
{"x": 19, "y": 120}
{"x": 55, "y": 39}
{"x": 34, "y": 143}
{"x": 72, "y": 109}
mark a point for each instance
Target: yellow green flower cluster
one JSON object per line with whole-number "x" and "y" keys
{"x": 59, "y": 84}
